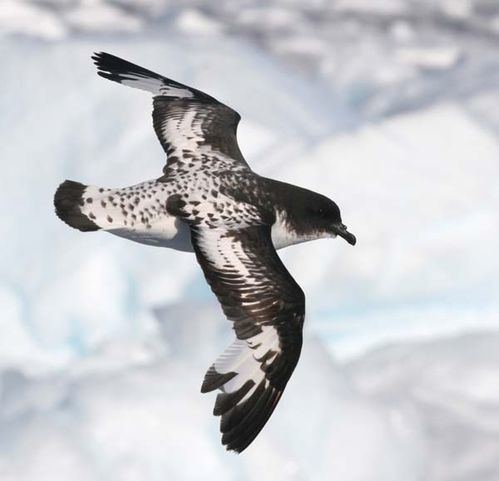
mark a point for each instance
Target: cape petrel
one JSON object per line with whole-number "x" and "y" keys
{"x": 209, "y": 201}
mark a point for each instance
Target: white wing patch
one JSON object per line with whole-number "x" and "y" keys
{"x": 143, "y": 83}
{"x": 186, "y": 132}
{"x": 244, "y": 357}
{"x": 155, "y": 86}
{"x": 228, "y": 251}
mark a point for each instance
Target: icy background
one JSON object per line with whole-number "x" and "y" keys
{"x": 388, "y": 106}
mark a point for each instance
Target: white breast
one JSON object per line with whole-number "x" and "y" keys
{"x": 282, "y": 235}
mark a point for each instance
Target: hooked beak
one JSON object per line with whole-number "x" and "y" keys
{"x": 341, "y": 230}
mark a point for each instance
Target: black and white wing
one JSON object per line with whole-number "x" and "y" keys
{"x": 195, "y": 130}
{"x": 267, "y": 307}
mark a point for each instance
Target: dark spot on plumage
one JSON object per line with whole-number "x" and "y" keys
{"x": 91, "y": 215}
{"x": 214, "y": 193}
{"x": 101, "y": 190}
{"x": 136, "y": 200}
{"x": 175, "y": 205}
{"x": 109, "y": 218}
{"x": 103, "y": 203}
{"x": 111, "y": 198}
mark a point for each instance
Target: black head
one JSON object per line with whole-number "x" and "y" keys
{"x": 312, "y": 212}
{"x": 324, "y": 215}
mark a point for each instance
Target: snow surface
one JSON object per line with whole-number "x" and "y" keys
{"x": 397, "y": 414}
{"x": 387, "y": 107}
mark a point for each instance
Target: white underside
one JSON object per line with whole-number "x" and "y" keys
{"x": 170, "y": 232}
{"x": 174, "y": 234}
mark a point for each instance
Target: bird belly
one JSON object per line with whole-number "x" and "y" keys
{"x": 167, "y": 232}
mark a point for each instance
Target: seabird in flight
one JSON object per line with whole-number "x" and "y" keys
{"x": 209, "y": 201}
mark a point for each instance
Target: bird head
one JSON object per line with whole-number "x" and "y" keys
{"x": 325, "y": 216}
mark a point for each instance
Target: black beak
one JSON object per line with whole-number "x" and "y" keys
{"x": 341, "y": 230}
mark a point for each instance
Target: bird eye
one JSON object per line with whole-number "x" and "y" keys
{"x": 317, "y": 211}
{"x": 322, "y": 212}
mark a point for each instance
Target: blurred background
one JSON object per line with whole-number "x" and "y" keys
{"x": 390, "y": 107}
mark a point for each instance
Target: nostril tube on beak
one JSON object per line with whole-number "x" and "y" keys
{"x": 341, "y": 230}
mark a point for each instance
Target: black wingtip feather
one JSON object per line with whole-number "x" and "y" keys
{"x": 116, "y": 69}
{"x": 214, "y": 380}
{"x": 67, "y": 203}
{"x": 250, "y": 418}
{"x": 226, "y": 401}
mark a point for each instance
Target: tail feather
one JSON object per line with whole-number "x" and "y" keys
{"x": 68, "y": 201}
{"x": 136, "y": 212}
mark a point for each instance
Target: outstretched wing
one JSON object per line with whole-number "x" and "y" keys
{"x": 267, "y": 307}
{"x": 195, "y": 130}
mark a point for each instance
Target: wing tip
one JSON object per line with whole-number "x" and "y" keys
{"x": 118, "y": 69}
{"x": 122, "y": 71}
{"x": 249, "y": 420}
{"x": 101, "y": 58}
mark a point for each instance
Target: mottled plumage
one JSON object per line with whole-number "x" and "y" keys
{"x": 209, "y": 201}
